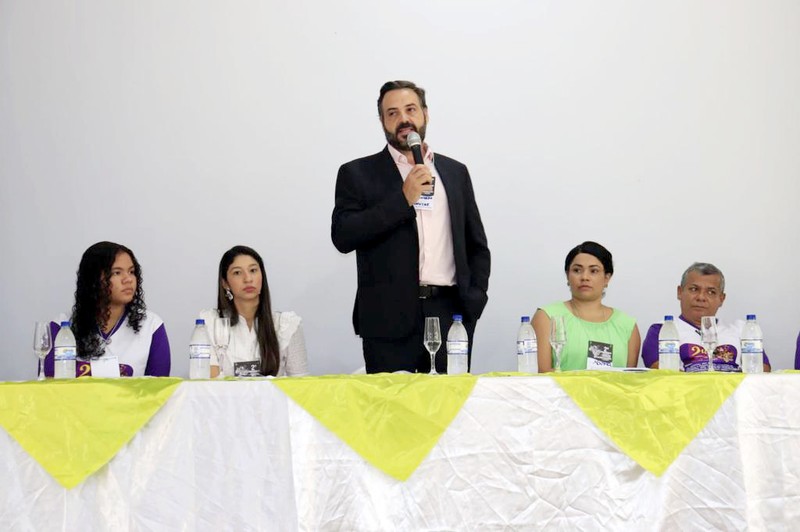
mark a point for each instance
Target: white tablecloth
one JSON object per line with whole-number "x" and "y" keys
{"x": 520, "y": 455}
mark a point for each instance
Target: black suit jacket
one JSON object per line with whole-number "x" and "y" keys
{"x": 372, "y": 216}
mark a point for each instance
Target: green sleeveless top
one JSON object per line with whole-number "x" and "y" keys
{"x": 582, "y": 335}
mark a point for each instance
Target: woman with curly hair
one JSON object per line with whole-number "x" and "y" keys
{"x": 262, "y": 342}
{"x": 109, "y": 319}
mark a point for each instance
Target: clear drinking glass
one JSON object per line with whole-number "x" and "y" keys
{"x": 42, "y": 343}
{"x": 222, "y": 338}
{"x": 432, "y": 340}
{"x": 709, "y": 337}
{"x": 558, "y": 339}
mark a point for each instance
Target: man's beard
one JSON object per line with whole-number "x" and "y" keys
{"x": 395, "y": 142}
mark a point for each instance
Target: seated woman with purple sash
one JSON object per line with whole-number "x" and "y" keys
{"x": 111, "y": 324}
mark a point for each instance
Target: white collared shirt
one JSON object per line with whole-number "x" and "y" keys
{"x": 243, "y": 345}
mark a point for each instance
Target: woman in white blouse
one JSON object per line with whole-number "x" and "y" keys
{"x": 262, "y": 342}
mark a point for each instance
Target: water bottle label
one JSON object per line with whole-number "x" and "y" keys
{"x": 199, "y": 351}
{"x": 752, "y": 346}
{"x": 64, "y": 354}
{"x": 526, "y": 347}
{"x": 457, "y": 347}
{"x": 752, "y": 356}
{"x": 670, "y": 347}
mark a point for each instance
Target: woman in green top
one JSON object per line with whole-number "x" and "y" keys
{"x": 597, "y": 335}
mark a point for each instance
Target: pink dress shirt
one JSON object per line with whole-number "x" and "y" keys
{"x": 437, "y": 265}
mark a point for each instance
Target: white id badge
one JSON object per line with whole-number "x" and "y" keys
{"x": 250, "y": 368}
{"x": 425, "y": 201}
{"x": 105, "y": 366}
{"x": 599, "y": 355}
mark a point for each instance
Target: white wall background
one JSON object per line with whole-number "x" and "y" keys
{"x": 668, "y": 131}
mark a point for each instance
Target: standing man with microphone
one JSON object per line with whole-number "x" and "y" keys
{"x": 420, "y": 245}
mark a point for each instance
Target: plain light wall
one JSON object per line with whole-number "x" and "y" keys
{"x": 668, "y": 131}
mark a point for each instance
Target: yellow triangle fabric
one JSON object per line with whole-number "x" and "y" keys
{"x": 74, "y": 427}
{"x": 651, "y": 416}
{"x": 391, "y": 420}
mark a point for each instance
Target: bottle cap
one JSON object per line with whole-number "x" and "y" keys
{"x": 525, "y": 319}
{"x": 667, "y": 318}
{"x": 65, "y": 324}
{"x": 199, "y": 322}
{"x": 751, "y": 317}
{"x": 457, "y": 317}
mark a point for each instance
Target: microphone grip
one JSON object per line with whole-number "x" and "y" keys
{"x": 417, "y": 151}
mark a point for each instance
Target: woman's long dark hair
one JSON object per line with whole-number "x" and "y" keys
{"x": 268, "y": 348}
{"x": 93, "y": 296}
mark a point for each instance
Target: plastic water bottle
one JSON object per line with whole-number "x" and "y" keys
{"x": 64, "y": 353}
{"x": 457, "y": 347}
{"x": 669, "y": 356}
{"x": 527, "y": 348}
{"x": 200, "y": 352}
{"x": 752, "y": 346}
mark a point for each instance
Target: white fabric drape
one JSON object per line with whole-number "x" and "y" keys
{"x": 520, "y": 455}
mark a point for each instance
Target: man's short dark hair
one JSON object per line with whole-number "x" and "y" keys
{"x": 401, "y": 84}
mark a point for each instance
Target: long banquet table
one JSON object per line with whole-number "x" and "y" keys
{"x": 577, "y": 452}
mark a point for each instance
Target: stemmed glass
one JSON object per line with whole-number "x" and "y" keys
{"x": 709, "y": 337}
{"x": 558, "y": 339}
{"x": 42, "y": 343}
{"x": 433, "y": 340}
{"x": 222, "y": 337}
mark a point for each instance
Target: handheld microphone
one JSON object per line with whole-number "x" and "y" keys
{"x": 415, "y": 143}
